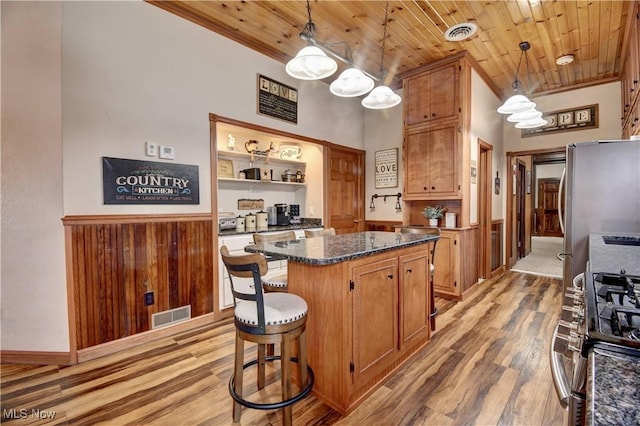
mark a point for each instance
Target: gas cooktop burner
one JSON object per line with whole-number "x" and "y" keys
{"x": 635, "y": 334}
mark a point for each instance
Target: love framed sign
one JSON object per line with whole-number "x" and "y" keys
{"x": 387, "y": 168}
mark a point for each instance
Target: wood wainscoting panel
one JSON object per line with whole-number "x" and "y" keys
{"x": 115, "y": 264}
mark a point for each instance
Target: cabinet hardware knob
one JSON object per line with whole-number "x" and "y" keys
{"x": 424, "y": 187}
{"x": 390, "y": 276}
{"x": 433, "y": 114}
{"x": 409, "y": 270}
{"x": 433, "y": 187}
{"x": 425, "y": 116}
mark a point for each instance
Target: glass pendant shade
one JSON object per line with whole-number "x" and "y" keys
{"x": 311, "y": 63}
{"x": 516, "y": 103}
{"x": 527, "y": 115}
{"x": 352, "y": 82}
{"x": 380, "y": 98}
{"x": 531, "y": 124}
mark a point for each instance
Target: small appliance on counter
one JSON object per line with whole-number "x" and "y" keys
{"x": 294, "y": 214}
{"x": 262, "y": 221}
{"x": 282, "y": 214}
{"x": 239, "y": 224}
{"x": 272, "y": 216}
{"x": 252, "y": 174}
{"x": 226, "y": 220}
{"x": 250, "y": 222}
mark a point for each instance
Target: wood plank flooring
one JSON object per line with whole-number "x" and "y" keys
{"x": 487, "y": 364}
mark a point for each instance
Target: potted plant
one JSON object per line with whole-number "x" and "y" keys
{"x": 433, "y": 213}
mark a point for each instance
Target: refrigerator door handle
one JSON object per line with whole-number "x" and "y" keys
{"x": 564, "y": 172}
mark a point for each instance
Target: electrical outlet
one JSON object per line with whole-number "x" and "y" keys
{"x": 151, "y": 149}
{"x": 148, "y": 298}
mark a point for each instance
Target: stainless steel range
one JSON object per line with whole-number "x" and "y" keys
{"x": 606, "y": 315}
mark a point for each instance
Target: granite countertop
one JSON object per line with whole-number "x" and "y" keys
{"x": 613, "y": 392}
{"x": 613, "y": 258}
{"x": 308, "y": 224}
{"x": 339, "y": 248}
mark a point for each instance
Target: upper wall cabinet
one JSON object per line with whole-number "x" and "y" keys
{"x": 433, "y": 96}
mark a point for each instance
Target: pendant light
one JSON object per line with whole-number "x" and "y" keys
{"x": 382, "y": 96}
{"x": 311, "y": 63}
{"x": 352, "y": 82}
{"x": 522, "y": 110}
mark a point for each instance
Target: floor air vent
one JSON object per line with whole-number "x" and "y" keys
{"x": 172, "y": 316}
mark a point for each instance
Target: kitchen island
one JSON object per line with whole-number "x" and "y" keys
{"x": 368, "y": 295}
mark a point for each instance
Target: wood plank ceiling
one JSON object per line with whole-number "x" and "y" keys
{"x": 594, "y": 31}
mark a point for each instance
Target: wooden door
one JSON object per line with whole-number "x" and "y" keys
{"x": 414, "y": 296}
{"x": 375, "y": 318}
{"x": 484, "y": 208}
{"x": 547, "y": 209}
{"x": 344, "y": 194}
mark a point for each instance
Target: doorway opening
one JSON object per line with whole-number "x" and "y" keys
{"x": 534, "y": 238}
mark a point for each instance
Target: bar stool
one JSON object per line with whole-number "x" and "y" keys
{"x": 277, "y": 283}
{"x": 432, "y": 268}
{"x": 266, "y": 319}
{"x": 310, "y": 233}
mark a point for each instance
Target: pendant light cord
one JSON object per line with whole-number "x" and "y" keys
{"x": 384, "y": 39}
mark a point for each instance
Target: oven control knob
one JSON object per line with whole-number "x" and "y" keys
{"x": 572, "y": 326}
{"x": 575, "y": 343}
{"x": 576, "y": 311}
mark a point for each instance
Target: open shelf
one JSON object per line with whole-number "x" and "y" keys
{"x": 247, "y": 157}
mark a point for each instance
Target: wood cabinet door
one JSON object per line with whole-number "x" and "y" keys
{"x": 414, "y": 296}
{"x": 443, "y": 160}
{"x": 417, "y": 99}
{"x": 416, "y": 166}
{"x": 444, "y": 263}
{"x": 375, "y": 317}
{"x": 444, "y": 93}
{"x": 433, "y": 96}
{"x": 431, "y": 163}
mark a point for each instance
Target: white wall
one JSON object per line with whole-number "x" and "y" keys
{"x": 486, "y": 124}
{"x": 82, "y": 80}
{"x": 382, "y": 130}
{"x": 607, "y": 96}
{"x": 34, "y": 297}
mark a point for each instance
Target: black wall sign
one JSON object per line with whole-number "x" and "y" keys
{"x": 277, "y": 100}
{"x": 149, "y": 182}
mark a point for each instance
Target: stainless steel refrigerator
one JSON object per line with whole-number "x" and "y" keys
{"x": 602, "y": 195}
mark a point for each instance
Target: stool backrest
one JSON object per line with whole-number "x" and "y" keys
{"x": 251, "y": 265}
{"x": 274, "y": 238}
{"x": 310, "y": 233}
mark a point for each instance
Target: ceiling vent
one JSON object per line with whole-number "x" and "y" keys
{"x": 460, "y": 32}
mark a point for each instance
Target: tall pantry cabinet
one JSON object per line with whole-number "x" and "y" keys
{"x": 436, "y": 160}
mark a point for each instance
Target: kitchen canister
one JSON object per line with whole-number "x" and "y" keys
{"x": 262, "y": 221}
{"x": 250, "y": 222}
{"x": 239, "y": 224}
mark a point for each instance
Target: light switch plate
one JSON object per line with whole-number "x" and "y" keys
{"x": 167, "y": 152}
{"x": 151, "y": 149}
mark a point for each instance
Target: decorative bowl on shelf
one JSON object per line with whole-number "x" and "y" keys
{"x": 290, "y": 152}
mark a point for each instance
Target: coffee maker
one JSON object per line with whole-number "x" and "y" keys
{"x": 282, "y": 214}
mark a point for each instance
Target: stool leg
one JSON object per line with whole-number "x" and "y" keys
{"x": 302, "y": 361}
{"x": 285, "y": 351}
{"x": 261, "y": 365}
{"x": 238, "y": 373}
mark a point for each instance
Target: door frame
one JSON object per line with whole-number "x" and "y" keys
{"x": 485, "y": 204}
{"x": 554, "y": 155}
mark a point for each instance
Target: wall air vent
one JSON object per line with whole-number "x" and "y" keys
{"x": 460, "y": 32}
{"x": 172, "y": 316}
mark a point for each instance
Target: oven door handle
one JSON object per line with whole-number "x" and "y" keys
{"x": 558, "y": 372}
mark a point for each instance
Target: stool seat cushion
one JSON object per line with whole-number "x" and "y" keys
{"x": 279, "y": 308}
{"x": 279, "y": 280}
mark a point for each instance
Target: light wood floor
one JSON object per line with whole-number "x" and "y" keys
{"x": 487, "y": 364}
